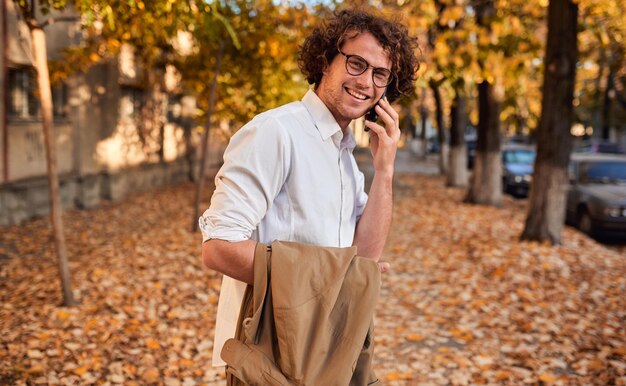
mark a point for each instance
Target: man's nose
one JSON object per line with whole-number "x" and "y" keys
{"x": 366, "y": 78}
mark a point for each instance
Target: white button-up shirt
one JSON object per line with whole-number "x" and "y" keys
{"x": 289, "y": 174}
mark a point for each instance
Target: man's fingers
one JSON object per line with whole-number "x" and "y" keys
{"x": 390, "y": 117}
{"x": 383, "y": 266}
{"x": 390, "y": 110}
{"x": 375, "y": 127}
{"x": 382, "y": 129}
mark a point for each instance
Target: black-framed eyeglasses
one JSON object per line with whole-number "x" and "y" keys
{"x": 356, "y": 65}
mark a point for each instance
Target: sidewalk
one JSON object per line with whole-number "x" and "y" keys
{"x": 406, "y": 163}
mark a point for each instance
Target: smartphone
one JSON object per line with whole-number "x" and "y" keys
{"x": 371, "y": 115}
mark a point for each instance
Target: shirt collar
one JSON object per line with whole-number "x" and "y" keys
{"x": 325, "y": 122}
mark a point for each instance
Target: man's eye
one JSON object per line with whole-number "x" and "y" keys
{"x": 357, "y": 65}
{"x": 381, "y": 76}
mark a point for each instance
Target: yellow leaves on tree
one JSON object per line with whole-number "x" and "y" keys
{"x": 451, "y": 15}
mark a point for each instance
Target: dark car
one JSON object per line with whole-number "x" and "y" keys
{"x": 596, "y": 197}
{"x": 517, "y": 169}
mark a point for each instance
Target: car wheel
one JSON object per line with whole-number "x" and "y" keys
{"x": 585, "y": 223}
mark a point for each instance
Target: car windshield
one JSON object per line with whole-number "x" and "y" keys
{"x": 519, "y": 156}
{"x": 609, "y": 148}
{"x": 604, "y": 172}
{"x": 601, "y": 147}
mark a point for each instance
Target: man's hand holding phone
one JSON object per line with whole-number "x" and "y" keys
{"x": 384, "y": 137}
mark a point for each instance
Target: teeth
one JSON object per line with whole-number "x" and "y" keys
{"x": 357, "y": 94}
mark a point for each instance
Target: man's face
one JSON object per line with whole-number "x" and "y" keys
{"x": 347, "y": 96}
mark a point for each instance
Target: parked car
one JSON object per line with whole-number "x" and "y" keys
{"x": 596, "y": 197}
{"x": 433, "y": 145}
{"x": 517, "y": 169}
{"x": 599, "y": 146}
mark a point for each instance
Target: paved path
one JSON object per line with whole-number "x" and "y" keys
{"x": 407, "y": 162}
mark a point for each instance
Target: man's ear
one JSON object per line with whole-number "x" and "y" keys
{"x": 326, "y": 66}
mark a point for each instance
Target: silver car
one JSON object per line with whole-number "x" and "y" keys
{"x": 596, "y": 197}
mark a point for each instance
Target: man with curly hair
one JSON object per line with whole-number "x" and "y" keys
{"x": 289, "y": 174}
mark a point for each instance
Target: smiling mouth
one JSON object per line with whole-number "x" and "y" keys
{"x": 356, "y": 94}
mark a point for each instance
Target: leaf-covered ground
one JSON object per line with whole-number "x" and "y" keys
{"x": 465, "y": 301}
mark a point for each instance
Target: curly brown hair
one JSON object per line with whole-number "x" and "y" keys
{"x": 321, "y": 47}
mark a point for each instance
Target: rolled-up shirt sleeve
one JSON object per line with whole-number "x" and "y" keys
{"x": 256, "y": 165}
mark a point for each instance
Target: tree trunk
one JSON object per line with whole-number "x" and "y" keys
{"x": 596, "y": 115}
{"x": 441, "y": 130}
{"x": 409, "y": 125}
{"x": 159, "y": 113}
{"x": 423, "y": 136}
{"x": 521, "y": 120}
{"x": 45, "y": 96}
{"x": 546, "y": 212}
{"x": 457, "y": 171}
{"x": 190, "y": 154}
{"x": 4, "y": 135}
{"x": 205, "y": 140}
{"x": 486, "y": 181}
{"x": 607, "y": 106}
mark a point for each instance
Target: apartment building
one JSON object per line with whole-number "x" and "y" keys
{"x": 113, "y": 136}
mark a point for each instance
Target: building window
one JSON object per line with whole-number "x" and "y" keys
{"x": 131, "y": 104}
{"x": 24, "y": 98}
{"x": 59, "y": 100}
{"x": 23, "y": 102}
